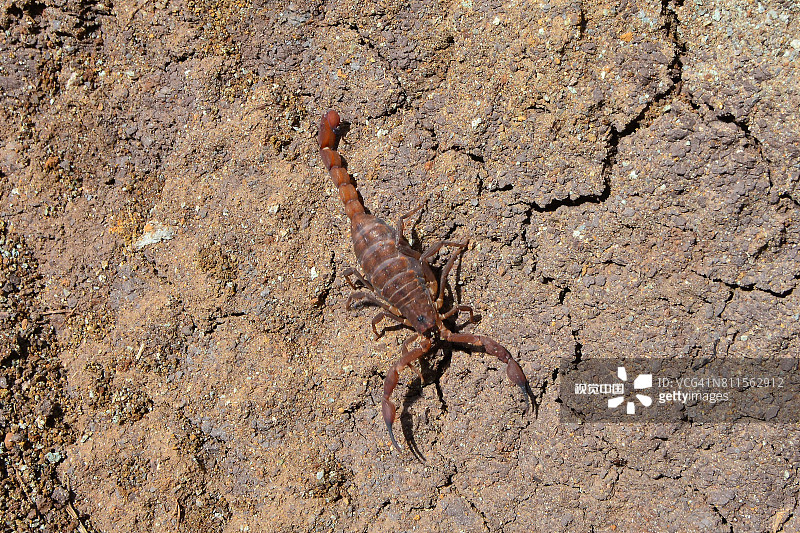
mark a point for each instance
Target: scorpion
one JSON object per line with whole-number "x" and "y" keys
{"x": 401, "y": 280}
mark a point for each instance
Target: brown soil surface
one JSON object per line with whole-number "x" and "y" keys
{"x": 175, "y": 352}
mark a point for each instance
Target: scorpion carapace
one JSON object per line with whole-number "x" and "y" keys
{"x": 400, "y": 280}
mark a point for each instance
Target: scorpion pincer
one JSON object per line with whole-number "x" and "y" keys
{"x": 400, "y": 280}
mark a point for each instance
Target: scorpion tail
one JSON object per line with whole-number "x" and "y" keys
{"x": 328, "y": 127}
{"x": 328, "y": 134}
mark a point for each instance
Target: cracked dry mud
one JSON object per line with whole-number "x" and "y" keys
{"x": 176, "y": 353}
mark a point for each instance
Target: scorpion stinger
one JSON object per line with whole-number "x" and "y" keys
{"x": 400, "y": 279}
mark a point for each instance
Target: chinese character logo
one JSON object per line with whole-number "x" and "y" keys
{"x": 642, "y": 381}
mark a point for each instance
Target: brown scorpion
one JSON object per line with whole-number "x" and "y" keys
{"x": 400, "y": 279}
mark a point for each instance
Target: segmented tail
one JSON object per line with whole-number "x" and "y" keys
{"x": 333, "y": 162}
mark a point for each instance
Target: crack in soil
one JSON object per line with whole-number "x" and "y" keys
{"x": 472, "y": 506}
{"x": 403, "y": 102}
{"x": 749, "y": 288}
{"x": 721, "y": 517}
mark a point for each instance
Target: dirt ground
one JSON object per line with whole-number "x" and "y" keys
{"x": 176, "y": 354}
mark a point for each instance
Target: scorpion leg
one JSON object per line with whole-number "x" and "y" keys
{"x": 460, "y": 308}
{"x": 404, "y": 248}
{"x": 432, "y": 250}
{"x": 447, "y": 267}
{"x": 386, "y": 314}
{"x": 435, "y": 247}
{"x": 388, "y": 409}
{"x": 400, "y": 224}
{"x": 404, "y": 352}
{"x": 434, "y": 286}
{"x": 348, "y": 272}
{"x": 388, "y": 310}
{"x": 366, "y": 297}
{"x": 492, "y": 347}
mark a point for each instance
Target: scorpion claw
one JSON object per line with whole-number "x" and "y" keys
{"x": 517, "y": 376}
{"x": 391, "y": 436}
{"x": 388, "y": 410}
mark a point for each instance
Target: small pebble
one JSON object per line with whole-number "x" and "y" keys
{"x": 60, "y": 495}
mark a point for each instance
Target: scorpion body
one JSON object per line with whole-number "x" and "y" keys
{"x": 399, "y": 279}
